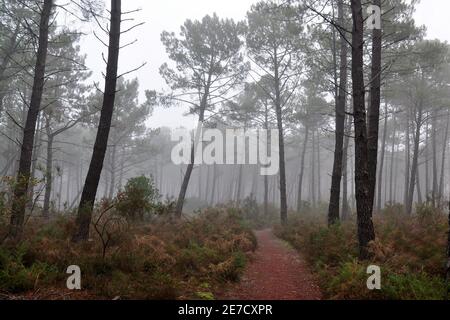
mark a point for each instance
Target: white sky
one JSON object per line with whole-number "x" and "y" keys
{"x": 170, "y": 14}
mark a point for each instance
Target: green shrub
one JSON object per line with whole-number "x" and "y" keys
{"x": 138, "y": 198}
{"x": 17, "y": 276}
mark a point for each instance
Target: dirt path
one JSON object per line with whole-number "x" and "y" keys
{"x": 276, "y": 273}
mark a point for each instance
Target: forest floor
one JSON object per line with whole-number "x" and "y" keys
{"x": 276, "y": 272}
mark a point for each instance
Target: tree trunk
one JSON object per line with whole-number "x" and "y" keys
{"x": 214, "y": 182}
{"x": 448, "y": 256}
{"x": 345, "y": 204}
{"x": 36, "y": 151}
{"x": 444, "y": 151}
{"x": 435, "y": 190}
{"x": 427, "y": 161}
{"x": 60, "y": 189}
{"x": 112, "y": 184}
{"x": 190, "y": 166}
{"x": 302, "y": 171}
{"x": 366, "y": 232}
{"x": 23, "y": 175}
{"x": 48, "y": 173}
{"x": 313, "y": 170}
{"x": 319, "y": 184}
{"x": 98, "y": 156}
{"x": 412, "y": 180}
{"x": 239, "y": 185}
{"x": 407, "y": 158}
{"x": 391, "y": 176}
{"x": 121, "y": 171}
{"x": 333, "y": 210}
{"x": 374, "y": 108}
{"x": 283, "y": 199}
{"x": 419, "y": 190}
{"x": 383, "y": 150}
{"x": 66, "y": 203}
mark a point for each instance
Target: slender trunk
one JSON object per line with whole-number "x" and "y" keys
{"x": 66, "y": 203}
{"x": 427, "y": 162}
{"x": 283, "y": 199}
{"x": 366, "y": 232}
{"x": 407, "y": 159}
{"x": 412, "y": 180}
{"x": 345, "y": 204}
{"x": 98, "y": 156}
{"x": 313, "y": 170}
{"x": 374, "y": 108}
{"x": 302, "y": 171}
{"x": 112, "y": 184}
{"x": 391, "y": 176}
{"x": 435, "y": 170}
{"x": 239, "y": 185}
{"x": 419, "y": 189}
{"x": 23, "y": 175}
{"x": 121, "y": 172}
{"x": 199, "y": 176}
{"x": 333, "y": 210}
{"x": 213, "y": 190}
{"x": 444, "y": 151}
{"x": 36, "y": 151}
{"x": 48, "y": 173}
{"x": 60, "y": 189}
{"x": 447, "y": 273}
{"x": 266, "y": 196}
{"x": 383, "y": 150}
{"x": 319, "y": 184}
{"x": 190, "y": 166}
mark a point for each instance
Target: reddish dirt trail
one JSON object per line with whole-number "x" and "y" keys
{"x": 277, "y": 272}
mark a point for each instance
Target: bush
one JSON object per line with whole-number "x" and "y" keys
{"x": 138, "y": 198}
{"x": 18, "y": 276}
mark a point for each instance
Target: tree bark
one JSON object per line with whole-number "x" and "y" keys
{"x": 190, "y": 166}
{"x": 278, "y": 107}
{"x": 419, "y": 189}
{"x": 435, "y": 190}
{"x": 447, "y": 273}
{"x": 333, "y": 209}
{"x": 113, "y": 172}
{"x": 23, "y": 175}
{"x": 444, "y": 152}
{"x": 391, "y": 176}
{"x": 366, "y": 232}
{"x": 345, "y": 204}
{"x": 412, "y": 180}
{"x": 302, "y": 171}
{"x": 374, "y": 108}
{"x": 313, "y": 170}
{"x": 383, "y": 150}
{"x": 48, "y": 172}
{"x": 214, "y": 182}
{"x": 407, "y": 158}
{"x": 89, "y": 194}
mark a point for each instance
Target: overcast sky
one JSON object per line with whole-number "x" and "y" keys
{"x": 170, "y": 14}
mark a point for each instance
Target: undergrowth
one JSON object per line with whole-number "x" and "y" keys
{"x": 162, "y": 259}
{"x": 409, "y": 250}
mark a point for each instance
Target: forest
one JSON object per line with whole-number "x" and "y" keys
{"x": 312, "y": 161}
